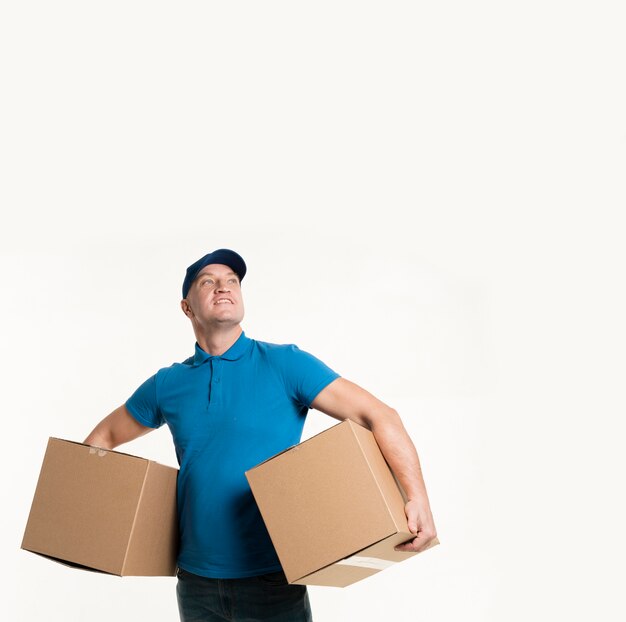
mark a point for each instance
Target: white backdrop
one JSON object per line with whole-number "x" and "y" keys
{"x": 429, "y": 198}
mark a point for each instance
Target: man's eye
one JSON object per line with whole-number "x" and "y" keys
{"x": 207, "y": 282}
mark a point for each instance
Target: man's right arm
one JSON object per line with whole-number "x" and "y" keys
{"x": 116, "y": 429}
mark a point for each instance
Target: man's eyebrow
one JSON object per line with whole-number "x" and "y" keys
{"x": 213, "y": 274}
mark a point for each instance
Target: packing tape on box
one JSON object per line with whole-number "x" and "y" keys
{"x": 96, "y": 450}
{"x": 366, "y": 562}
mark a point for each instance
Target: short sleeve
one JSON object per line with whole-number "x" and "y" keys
{"x": 143, "y": 404}
{"x": 305, "y": 375}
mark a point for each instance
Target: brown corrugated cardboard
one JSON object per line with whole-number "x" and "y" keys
{"x": 104, "y": 510}
{"x": 332, "y": 507}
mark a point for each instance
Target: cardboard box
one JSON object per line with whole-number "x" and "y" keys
{"x": 104, "y": 510}
{"x": 332, "y": 507}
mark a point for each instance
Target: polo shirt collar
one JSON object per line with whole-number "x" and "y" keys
{"x": 236, "y": 351}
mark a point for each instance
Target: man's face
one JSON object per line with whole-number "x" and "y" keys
{"x": 214, "y": 297}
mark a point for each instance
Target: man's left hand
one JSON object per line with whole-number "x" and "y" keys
{"x": 420, "y": 521}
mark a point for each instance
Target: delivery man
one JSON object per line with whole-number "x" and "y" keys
{"x": 231, "y": 405}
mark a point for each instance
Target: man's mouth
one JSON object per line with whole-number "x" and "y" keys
{"x": 222, "y": 301}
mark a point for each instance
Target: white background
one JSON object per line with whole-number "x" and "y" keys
{"x": 429, "y": 198}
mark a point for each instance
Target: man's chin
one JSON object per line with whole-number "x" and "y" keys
{"x": 227, "y": 320}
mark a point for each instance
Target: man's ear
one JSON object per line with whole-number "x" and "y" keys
{"x": 184, "y": 305}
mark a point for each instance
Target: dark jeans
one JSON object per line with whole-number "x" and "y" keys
{"x": 266, "y": 598}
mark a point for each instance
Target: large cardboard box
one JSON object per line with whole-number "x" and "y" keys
{"x": 104, "y": 510}
{"x": 332, "y": 507}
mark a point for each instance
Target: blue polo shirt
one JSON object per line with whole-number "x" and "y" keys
{"x": 226, "y": 414}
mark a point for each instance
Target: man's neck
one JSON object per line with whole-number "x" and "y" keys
{"x": 216, "y": 343}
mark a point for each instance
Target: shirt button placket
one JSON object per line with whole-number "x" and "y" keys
{"x": 216, "y": 377}
{"x": 210, "y": 385}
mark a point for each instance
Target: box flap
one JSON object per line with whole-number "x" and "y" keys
{"x": 387, "y": 483}
{"x": 153, "y": 542}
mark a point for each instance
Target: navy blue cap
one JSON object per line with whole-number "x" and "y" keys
{"x": 223, "y": 256}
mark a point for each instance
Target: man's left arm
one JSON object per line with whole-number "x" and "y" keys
{"x": 343, "y": 399}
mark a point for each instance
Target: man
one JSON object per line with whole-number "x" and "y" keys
{"x": 235, "y": 403}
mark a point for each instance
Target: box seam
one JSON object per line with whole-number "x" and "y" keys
{"x": 132, "y": 529}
